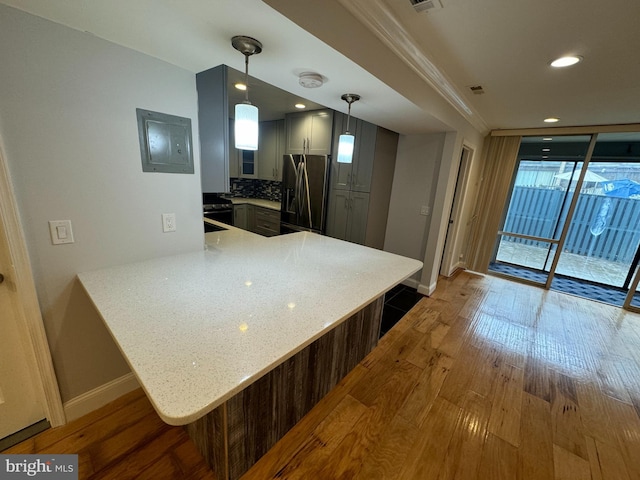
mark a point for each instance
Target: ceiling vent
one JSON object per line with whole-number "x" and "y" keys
{"x": 426, "y": 5}
{"x": 476, "y": 89}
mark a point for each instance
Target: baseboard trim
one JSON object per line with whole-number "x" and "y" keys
{"x": 427, "y": 290}
{"x": 100, "y": 396}
{"x": 411, "y": 282}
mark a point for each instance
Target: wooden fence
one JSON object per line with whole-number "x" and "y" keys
{"x": 535, "y": 211}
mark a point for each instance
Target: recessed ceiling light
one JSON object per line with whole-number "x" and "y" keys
{"x": 546, "y": 149}
{"x": 300, "y": 105}
{"x": 566, "y": 61}
{"x": 240, "y": 86}
{"x": 551, "y": 120}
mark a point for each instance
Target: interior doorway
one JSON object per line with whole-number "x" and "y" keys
{"x": 28, "y": 387}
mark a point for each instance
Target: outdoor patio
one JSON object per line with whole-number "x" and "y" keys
{"x": 593, "y": 269}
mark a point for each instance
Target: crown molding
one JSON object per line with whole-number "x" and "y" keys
{"x": 378, "y": 18}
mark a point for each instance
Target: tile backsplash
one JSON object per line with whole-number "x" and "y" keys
{"x": 254, "y": 188}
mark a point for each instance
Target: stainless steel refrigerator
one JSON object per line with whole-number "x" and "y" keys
{"x": 304, "y": 193}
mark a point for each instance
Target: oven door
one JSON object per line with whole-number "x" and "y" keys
{"x": 224, "y": 215}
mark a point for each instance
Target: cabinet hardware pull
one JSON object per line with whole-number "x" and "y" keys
{"x": 346, "y": 202}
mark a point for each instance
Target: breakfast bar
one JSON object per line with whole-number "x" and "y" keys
{"x": 238, "y": 341}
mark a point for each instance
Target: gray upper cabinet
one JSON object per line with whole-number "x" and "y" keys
{"x": 360, "y": 191}
{"x": 309, "y": 132}
{"x": 357, "y": 175}
{"x": 271, "y": 147}
{"x": 213, "y": 124}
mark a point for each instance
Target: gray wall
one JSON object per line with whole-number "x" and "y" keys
{"x": 68, "y": 126}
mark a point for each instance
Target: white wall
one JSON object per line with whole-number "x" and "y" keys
{"x": 425, "y": 174}
{"x": 68, "y": 124}
{"x": 414, "y": 185}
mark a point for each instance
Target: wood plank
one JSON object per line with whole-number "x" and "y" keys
{"x": 568, "y": 466}
{"x": 464, "y": 453}
{"x": 506, "y": 404}
{"x": 606, "y": 462}
{"x": 566, "y": 420}
{"x": 427, "y": 455}
{"x": 535, "y": 455}
{"x": 499, "y": 460}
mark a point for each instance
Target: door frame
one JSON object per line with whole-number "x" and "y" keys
{"x": 449, "y": 265}
{"x": 29, "y": 314}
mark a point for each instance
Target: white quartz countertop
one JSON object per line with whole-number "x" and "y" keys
{"x": 258, "y": 202}
{"x": 197, "y": 328}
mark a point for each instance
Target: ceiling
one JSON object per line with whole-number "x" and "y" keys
{"x": 504, "y": 46}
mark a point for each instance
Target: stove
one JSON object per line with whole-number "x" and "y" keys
{"x": 217, "y": 208}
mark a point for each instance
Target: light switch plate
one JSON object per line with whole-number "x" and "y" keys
{"x": 425, "y": 210}
{"x": 168, "y": 222}
{"x": 61, "y": 232}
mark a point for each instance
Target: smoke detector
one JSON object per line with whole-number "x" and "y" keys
{"x": 310, "y": 80}
{"x": 426, "y": 5}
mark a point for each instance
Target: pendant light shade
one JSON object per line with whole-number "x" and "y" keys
{"x": 246, "y": 126}
{"x": 347, "y": 140}
{"x": 246, "y": 114}
{"x": 345, "y": 148}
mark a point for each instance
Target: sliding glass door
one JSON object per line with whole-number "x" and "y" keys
{"x": 543, "y": 186}
{"x": 574, "y": 230}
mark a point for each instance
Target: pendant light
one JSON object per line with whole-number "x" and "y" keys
{"x": 246, "y": 114}
{"x": 346, "y": 141}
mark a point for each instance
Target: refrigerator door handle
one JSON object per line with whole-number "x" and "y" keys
{"x": 308, "y": 195}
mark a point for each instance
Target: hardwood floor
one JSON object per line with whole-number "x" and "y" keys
{"x": 486, "y": 379}
{"x": 123, "y": 440}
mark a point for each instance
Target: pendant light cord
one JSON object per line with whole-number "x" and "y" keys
{"x": 246, "y": 78}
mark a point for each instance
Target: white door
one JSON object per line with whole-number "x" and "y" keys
{"x": 19, "y": 382}
{"x": 457, "y": 232}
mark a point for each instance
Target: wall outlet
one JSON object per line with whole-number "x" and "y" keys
{"x": 168, "y": 222}
{"x": 61, "y": 232}
{"x": 425, "y": 210}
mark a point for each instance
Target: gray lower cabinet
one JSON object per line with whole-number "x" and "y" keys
{"x": 348, "y": 213}
{"x": 267, "y": 222}
{"x": 240, "y": 216}
{"x": 263, "y": 221}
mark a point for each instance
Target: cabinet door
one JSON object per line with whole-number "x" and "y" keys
{"x": 234, "y": 153}
{"x": 271, "y": 150}
{"x": 320, "y": 132}
{"x": 363, "y": 155}
{"x": 213, "y": 125}
{"x": 358, "y": 213}
{"x": 337, "y": 216}
{"x": 297, "y": 132}
{"x": 240, "y": 216}
{"x": 248, "y": 163}
{"x": 251, "y": 218}
{"x": 268, "y": 147}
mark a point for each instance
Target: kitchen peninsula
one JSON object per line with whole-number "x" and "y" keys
{"x": 240, "y": 340}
